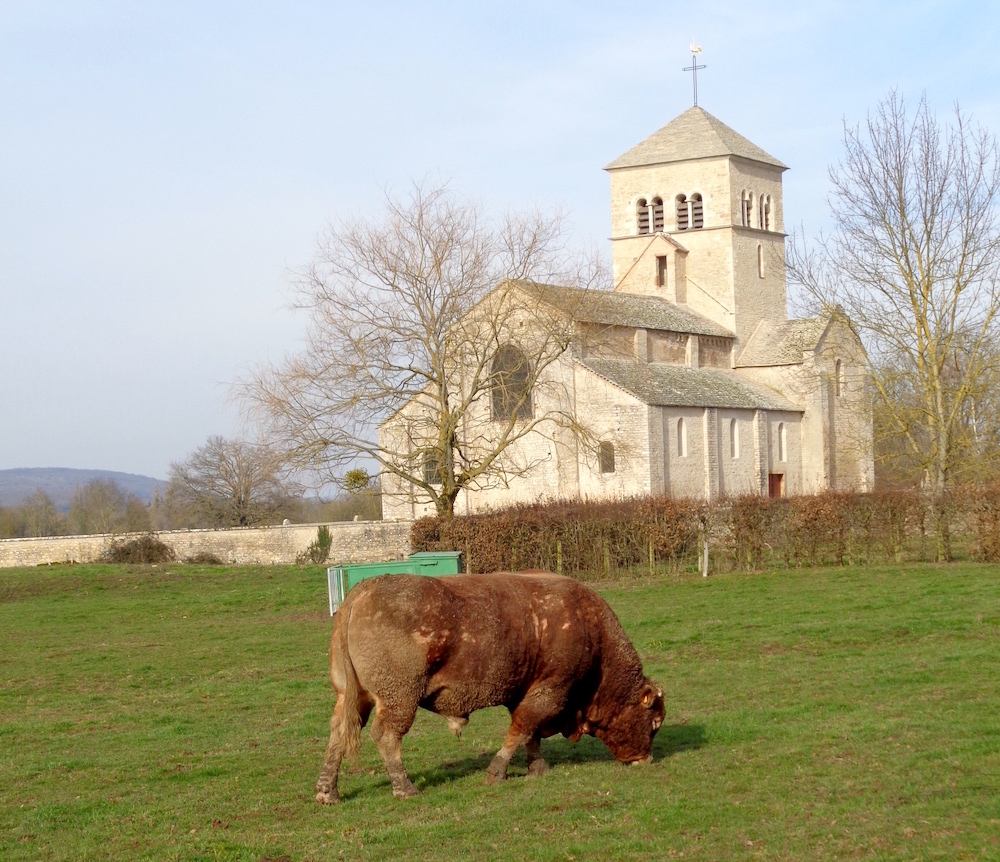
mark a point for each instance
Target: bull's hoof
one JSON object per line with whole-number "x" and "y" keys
{"x": 496, "y": 771}
{"x": 538, "y": 767}
{"x": 328, "y": 797}
{"x": 406, "y": 790}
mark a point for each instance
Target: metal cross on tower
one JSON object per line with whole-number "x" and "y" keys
{"x": 694, "y": 67}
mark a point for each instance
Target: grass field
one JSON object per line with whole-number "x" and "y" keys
{"x": 181, "y": 713}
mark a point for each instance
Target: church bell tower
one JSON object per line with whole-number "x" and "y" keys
{"x": 697, "y": 218}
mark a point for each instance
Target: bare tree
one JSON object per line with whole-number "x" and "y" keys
{"x": 431, "y": 316}
{"x": 35, "y": 516}
{"x": 914, "y": 260}
{"x": 231, "y": 483}
{"x": 102, "y": 506}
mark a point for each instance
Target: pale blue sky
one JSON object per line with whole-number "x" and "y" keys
{"x": 163, "y": 165}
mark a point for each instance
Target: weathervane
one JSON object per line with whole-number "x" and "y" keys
{"x": 694, "y": 67}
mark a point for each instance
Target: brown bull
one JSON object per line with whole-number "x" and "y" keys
{"x": 546, "y": 647}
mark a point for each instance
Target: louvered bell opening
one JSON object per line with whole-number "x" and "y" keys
{"x": 697, "y": 212}
{"x": 682, "y": 212}
{"x": 642, "y": 215}
{"x": 657, "y": 215}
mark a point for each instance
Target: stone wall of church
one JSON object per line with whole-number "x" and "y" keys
{"x": 758, "y": 297}
{"x": 684, "y": 434}
{"x": 737, "y": 475}
{"x": 615, "y": 417}
{"x": 835, "y": 434}
{"x": 564, "y": 467}
{"x": 798, "y": 384}
{"x": 704, "y": 460}
{"x": 353, "y": 542}
{"x": 851, "y": 449}
{"x": 784, "y": 441}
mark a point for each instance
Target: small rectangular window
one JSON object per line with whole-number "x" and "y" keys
{"x": 661, "y": 270}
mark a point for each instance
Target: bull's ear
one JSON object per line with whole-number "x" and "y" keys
{"x": 649, "y": 693}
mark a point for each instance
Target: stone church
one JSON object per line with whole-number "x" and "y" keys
{"x": 689, "y": 376}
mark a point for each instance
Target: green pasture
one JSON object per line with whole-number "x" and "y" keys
{"x": 178, "y": 712}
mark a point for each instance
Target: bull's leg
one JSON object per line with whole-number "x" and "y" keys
{"x": 456, "y": 724}
{"x": 497, "y": 770}
{"x": 539, "y": 705}
{"x": 326, "y": 784}
{"x": 533, "y": 749}
{"x": 388, "y": 736}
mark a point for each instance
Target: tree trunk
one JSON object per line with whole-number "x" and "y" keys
{"x": 942, "y": 521}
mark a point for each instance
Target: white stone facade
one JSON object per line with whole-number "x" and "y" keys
{"x": 688, "y": 379}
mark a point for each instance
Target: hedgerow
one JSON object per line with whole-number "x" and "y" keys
{"x": 613, "y": 537}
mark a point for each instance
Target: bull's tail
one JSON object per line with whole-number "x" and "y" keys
{"x": 348, "y": 697}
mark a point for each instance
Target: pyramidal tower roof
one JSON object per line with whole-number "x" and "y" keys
{"x": 695, "y": 134}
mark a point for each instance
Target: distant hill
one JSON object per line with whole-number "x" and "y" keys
{"x": 60, "y": 482}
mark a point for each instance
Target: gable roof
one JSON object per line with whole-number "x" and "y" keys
{"x": 695, "y": 134}
{"x": 678, "y": 386}
{"x": 624, "y": 309}
{"x": 783, "y": 343}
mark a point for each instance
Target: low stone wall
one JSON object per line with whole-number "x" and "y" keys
{"x": 353, "y": 542}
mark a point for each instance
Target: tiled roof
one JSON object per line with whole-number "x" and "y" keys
{"x": 782, "y": 343}
{"x": 624, "y": 309}
{"x": 678, "y": 386}
{"x": 695, "y": 134}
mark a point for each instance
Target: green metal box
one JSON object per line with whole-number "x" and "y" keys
{"x": 431, "y": 563}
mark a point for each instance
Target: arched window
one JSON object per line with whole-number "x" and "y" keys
{"x": 734, "y": 438}
{"x": 746, "y": 208}
{"x": 511, "y": 384}
{"x": 760, "y": 260}
{"x": 432, "y": 469}
{"x": 690, "y": 211}
{"x": 682, "y": 439}
{"x": 682, "y": 212}
{"x": 657, "y": 206}
{"x": 840, "y": 379}
{"x": 782, "y": 442}
{"x": 606, "y": 457}
{"x": 697, "y": 211}
{"x": 642, "y": 215}
{"x": 764, "y": 212}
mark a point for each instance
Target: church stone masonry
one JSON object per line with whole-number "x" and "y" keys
{"x": 689, "y": 375}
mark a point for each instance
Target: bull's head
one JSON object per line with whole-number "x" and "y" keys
{"x": 630, "y": 733}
